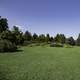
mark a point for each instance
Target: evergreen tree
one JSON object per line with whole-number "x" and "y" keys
{"x": 57, "y": 38}
{"x": 63, "y": 38}
{"x": 51, "y": 39}
{"x": 18, "y": 35}
{"x": 27, "y": 36}
{"x": 60, "y": 38}
{"x": 42, "y": 38}
{"x": 35, "y": 37}
{"x": 70, "y": 41}
{"x": 78, "y": 40}
{"x": 47, "y": 38}
{"x": 3, "y": 24}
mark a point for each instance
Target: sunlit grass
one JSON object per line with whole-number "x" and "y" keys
{"x": 41, "y": 63}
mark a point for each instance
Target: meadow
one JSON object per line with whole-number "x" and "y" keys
{"x": 41, "y": 63}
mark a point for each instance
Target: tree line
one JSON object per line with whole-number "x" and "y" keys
{"x": 15, "y": 37}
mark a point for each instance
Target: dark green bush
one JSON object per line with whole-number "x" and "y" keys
{"x": 7, "y": 46}
{"x": 56, "y": 45}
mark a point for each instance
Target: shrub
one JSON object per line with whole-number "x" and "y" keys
{"x": 68, "y": 46}
{"x": 43, "y": 44}
{"x": 26, "y": 43}
{"x": 7, "y": 46}
{"x": 56, "y": 45}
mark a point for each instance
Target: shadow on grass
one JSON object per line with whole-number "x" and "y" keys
{"x": 18, "y": 50}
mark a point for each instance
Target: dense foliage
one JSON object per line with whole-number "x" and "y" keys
{"x": 7, "y": 39}
{"x": 7, "y": 46}
{"x": 17, "y": 37}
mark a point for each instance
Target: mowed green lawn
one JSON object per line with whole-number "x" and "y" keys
{"x": 41, "y": 63}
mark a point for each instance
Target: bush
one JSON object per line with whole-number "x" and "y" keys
{"x": 7, "y": 46}
{"x": 68, "y": 46}
{"x": 43, "y": 44}
{"x": 26, "y": 43}
{"x": 56, "y": 45}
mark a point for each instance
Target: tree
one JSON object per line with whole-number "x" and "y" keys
{"x": 47, "y": 38}
{"x": 57, "y": 38}
{"x": 27, "y": 36}
{"x": 63, "y": 38}
{"x": 78, "y": 40}
{"x": 7, "y": 35}
{"x": 70, "y": 41}
{"x": 3, "y": 24}
{"x": 41, "y": 38}
{"x": 60, "y": 38}
{"x": 6, "y": 38}
{"x": 18, "y": 35}
{"x": 51, "y": 39}
{"x": 35, "y": 37}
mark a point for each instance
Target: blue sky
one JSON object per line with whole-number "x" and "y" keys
{"x": 43, "y": 16}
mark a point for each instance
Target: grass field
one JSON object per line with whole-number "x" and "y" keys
{"x": 41, "y": 63}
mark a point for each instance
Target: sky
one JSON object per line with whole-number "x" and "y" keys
{"x": 43, "y": 16}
